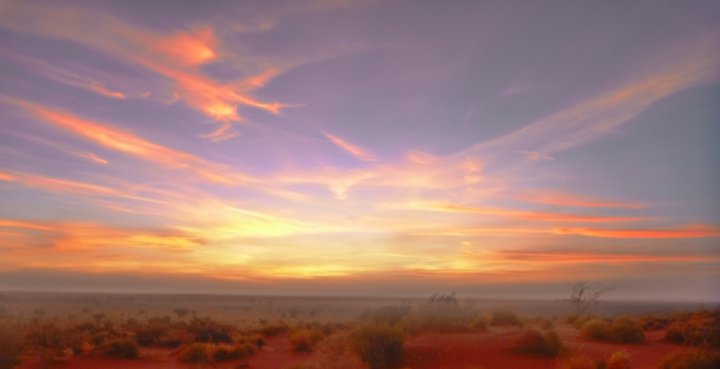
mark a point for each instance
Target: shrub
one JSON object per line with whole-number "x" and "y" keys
{"x": 208, "y": 330}
{"x": 243, "y": 350}
{"x": 534, "y": 342}
{"x": 504, "y": 317}
{"x": 195, "y": 353}
{"x": 625, "y": 330}
{"x": 304, "y": 340}
{"x": 229, "y": 352}
{"x": 124, "y": 348}
{"x": 149, "y": 336}
{"x": 578, "y": 361}
{"x": 577, "y": 321}
{"x": 676, "y": 333}
{"x": 274, "y": 329}
{"x": 619, "y": 360}
{"x": 596, "y": 330}
{"x": 701, "y": 329}
{"x": 380, "y": 347}
{"x": 698, "y": 359}
{"x": 10, "y": 345}
{"x": 479, "y": 324}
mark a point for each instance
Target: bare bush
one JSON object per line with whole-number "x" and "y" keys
{"x": 380, "y": 347}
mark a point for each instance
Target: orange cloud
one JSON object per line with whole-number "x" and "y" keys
{"x": 102, "y": 90}
{"x": 191, "y": 48}
{"x": 352, "y": 149}
{"x": 174, "y": 56}
{"x": 518, "y": 214}
{"x": 419, "y": 157}
{"x": 697, "y": 231}
{"x": 588, "y": 258}
{"x": 6, "y": 177}
{"x": 93, "y": 157}
{"x": 566, "y": 199}
{"x": 9, "y": 223}
{"x": 59, "y": 185}
{"x": 128, "y": 143}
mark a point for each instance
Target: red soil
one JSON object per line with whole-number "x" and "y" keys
{"x": 470, "y": 351}
{"x": 494, "y": 350}
{"x": 489, "y": 350}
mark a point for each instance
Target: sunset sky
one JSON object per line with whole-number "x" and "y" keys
{"x": 394, "y": 148}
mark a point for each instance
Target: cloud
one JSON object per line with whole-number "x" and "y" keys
{"x": 535, "y": 155}
{"x": 557, "y": 198}
{"x": 93, "y": 157}
{"x": 175, "y": 56}
{"x": 540, "y": 257}
{"x": 86, "y": 155}
{"x": 598, "y": 116}
{"x": 102, "y": 90}
{"x": 693, "y": 231}
{"x": 511, "y": 213}
{"x": 352, "y": 149}
{"x": 133, "y": 145}
{"x": 191, "y": 48}
{"x": 67, "y": 186}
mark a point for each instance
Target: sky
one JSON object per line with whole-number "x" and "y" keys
{"x": 391, "y": 148}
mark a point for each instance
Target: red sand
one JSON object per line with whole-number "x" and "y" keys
{"x": 489, "y": 350}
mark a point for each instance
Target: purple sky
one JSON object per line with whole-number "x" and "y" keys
{"x": 493, "y": 148}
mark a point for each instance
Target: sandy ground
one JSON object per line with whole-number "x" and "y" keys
{"x": 487, "y": 350}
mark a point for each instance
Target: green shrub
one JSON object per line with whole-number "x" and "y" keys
{"x": 619, "y": 360}
{"x": 533, "y": 342}
{"x": 195, "y": 353}
{"x": 698, "y": 359}
{"x": 380, "y": 347}
{"x": 124, "y": 348}
{"x": 504, "y": 317}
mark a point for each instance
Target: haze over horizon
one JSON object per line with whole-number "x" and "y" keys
{"x": 385, "y": 148}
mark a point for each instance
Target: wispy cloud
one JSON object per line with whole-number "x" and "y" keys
{"x": 133, "y": 145}
{"x": 102, "y": 90}
{"x": 557, "y": 198}
{"x": 691, "y": 231}
{"x": 350, "y": 148}
{"x": 595, "y": 117}
{"x": 513, "y": 213}
{"x": 67, "y": 186}
{"x": 175, "y": 56}
{"x": 86, "y": 155}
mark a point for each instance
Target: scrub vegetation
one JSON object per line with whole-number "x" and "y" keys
{"x": 442, "y": 330}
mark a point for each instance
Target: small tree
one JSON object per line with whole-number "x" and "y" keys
{"x": 583, "y": 295}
